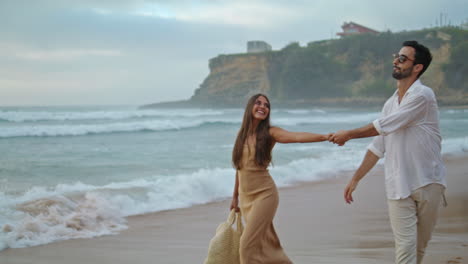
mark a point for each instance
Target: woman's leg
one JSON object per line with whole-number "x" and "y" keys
{"x": 258, "y": 220}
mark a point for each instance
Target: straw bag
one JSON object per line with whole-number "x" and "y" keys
{"x": 224, "y": 246}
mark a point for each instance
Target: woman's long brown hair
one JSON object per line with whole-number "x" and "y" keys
{"x": 264, "y": 141}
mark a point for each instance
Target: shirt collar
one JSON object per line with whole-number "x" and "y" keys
{"x": 410, "y": 89}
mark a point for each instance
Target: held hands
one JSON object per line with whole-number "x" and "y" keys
{"x": 339, "y": 138}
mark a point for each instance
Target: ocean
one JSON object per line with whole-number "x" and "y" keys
{"x": 78, "y": 172}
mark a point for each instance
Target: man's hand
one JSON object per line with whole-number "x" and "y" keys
{"x": 348, "y": 192}
{"x": 340, "y": 137}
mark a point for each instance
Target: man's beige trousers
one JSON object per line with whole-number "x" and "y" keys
{"x": 413, "y": 220}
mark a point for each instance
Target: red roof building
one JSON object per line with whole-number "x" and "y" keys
{"x": 352, "y": 28}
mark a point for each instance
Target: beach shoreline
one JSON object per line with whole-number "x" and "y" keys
{"x": 313, "y": 222}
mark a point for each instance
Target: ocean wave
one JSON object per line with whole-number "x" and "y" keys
{"x": 455, "y": 146}
{"x": 37, "y": 116}
{"x": 454, "y": 111}
{"x": 300, "y": 111}
{"x": 90, "y": 129}
{"x": 325, "y": 119}
{"x": 167, "y": 124}
{"x": 44, "y": 215}
{"x": 59, "y": 217}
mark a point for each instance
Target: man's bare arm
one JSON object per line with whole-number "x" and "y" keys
{"x": 342, "y": 136}
{"x": 369, "y": 161}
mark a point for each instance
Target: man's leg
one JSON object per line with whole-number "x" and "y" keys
{"x": 403, "y": 219}
{"x": 428, "y": 200}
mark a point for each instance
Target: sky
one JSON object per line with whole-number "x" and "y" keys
{"x": 118, "y": 52}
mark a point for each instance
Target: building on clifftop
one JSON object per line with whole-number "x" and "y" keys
{"x": 257, "y": 46}
{"x": 464, "y": 25}
{"x": 352, "y": 28}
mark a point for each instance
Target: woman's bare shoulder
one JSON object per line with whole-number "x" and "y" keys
{"x": 275, "y": 129}
{"x": 276, "y": 132}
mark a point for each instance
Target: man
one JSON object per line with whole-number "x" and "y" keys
{"x": 407, "y": 133}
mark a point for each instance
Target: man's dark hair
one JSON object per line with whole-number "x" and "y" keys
{"x": 422, "y": 54}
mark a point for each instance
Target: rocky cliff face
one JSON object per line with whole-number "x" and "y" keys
{"x": 233, "y": 78}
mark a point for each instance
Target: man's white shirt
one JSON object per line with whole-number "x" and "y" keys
{"x": 409, "y": 138}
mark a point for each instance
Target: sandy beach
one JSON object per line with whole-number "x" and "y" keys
{"x": 313, "y": 221}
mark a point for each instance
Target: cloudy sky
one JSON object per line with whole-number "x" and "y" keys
{"x": 67, "y": 52}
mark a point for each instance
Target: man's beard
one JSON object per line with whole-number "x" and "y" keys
{"x": 402, "y": 74}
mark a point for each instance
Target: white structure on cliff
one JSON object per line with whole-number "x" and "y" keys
{"x": 465, "y": 25}
{"x": 257, "y": 46}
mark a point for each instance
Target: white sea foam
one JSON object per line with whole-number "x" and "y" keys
{"x": 455, "y": 111}
{"x": 86, "y": 129}
{"x": 79, "y": 129}
{"x": 299, "y": 111}
{"x": 32, "y": 116}
{"x": 43, "y": 215}
{"x": 59, "y": 217}
{"x": 324, "y": 119}
{"x": 455, "y": 146}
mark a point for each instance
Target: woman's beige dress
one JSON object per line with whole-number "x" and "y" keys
{"x": 258, "y": 202}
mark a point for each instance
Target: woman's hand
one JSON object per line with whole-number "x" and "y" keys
{"x": 235, "y": 204}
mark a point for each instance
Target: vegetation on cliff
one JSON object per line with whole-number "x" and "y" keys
{"x": 361, "y": 65}
{"x": 351, "y": 70}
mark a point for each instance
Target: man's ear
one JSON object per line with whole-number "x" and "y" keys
{"x": 418, "y": 68}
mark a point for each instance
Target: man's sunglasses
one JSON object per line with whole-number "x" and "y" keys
{"x": 401, "y": 58}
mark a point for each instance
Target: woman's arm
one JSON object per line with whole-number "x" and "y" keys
{"x": 283, "y": 136}
{"x": 235, "y": 195}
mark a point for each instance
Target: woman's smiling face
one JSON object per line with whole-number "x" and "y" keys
{"x": 261, "y": 108}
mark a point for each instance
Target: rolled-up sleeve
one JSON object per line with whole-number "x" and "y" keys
{"x": 412, "y": 110}
{"x": 377, "y": 146}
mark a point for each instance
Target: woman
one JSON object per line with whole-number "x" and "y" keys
{"x": 258, "y": 194}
